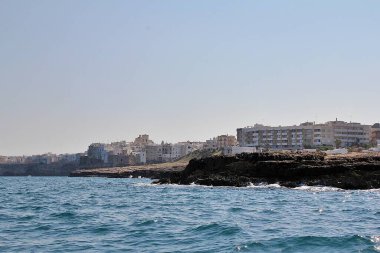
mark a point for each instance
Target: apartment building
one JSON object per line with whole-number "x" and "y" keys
{"x": 137, "y": 158}
{"x": 172, "y": 152}
{"x": 153, "y": 153}
{"x": 281, "y": 137}
{"x": 375, "y": 134}
{"x": 306, "y": 135}
{"x": 223, "y": 141}
{"x": 210, "y": 144}
{"x": 168, "y": 152}
{"x": 220, "y": 142}
{"x": 98, "y": 152}
{"x": 341, "y": 134}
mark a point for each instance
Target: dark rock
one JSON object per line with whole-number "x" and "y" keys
{"x": 290, "y": 170}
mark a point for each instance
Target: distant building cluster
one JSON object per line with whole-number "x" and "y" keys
{"x": 338, "y": 134}
{"x": 141, "y": 151}
{"x": 48, "y": 158}
{"x": 306, "y": 136}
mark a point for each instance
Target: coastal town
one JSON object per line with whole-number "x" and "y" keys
{"x": 333, "y": 136}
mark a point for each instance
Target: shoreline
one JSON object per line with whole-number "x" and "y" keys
{"x": 349, "y": 171}
{"x": 152, "y": 171}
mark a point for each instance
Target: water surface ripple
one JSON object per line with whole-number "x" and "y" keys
{"x": 60, "y": 214}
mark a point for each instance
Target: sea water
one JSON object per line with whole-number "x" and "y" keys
{"x": 61, "y": 214}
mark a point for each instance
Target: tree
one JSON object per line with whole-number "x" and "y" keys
{"x": 338, "y": 143}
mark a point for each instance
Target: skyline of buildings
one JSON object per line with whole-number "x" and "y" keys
{"x": 308, "y": 135}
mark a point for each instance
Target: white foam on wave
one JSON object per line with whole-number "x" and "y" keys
{"x": 149, "y": 184}
{"x": 372, "y": 190}
{"x": 143, "y": 184}
{"x": 193, "y": 184}
{"x": 256, "y": 186}
{"x": 376, "y": 240}
{"x": 263, "y": 185}
{"x": 318, "y": 188}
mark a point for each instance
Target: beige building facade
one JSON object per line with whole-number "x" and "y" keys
{"x": 306, "y": 135}
{"x": 223, "y": 141}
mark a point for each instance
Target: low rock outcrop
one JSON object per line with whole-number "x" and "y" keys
{"x": 287, "y": 169}
{"x": 148, "y": 171}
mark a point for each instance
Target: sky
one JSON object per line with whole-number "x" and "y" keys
{"x": 74, "y": 72}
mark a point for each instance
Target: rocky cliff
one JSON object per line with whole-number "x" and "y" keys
{"x": 287, "y": 169}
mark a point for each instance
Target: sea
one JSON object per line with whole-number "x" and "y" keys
{"x": 63, "y": 214}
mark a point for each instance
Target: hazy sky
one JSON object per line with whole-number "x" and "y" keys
{"x": 73, "y": 72}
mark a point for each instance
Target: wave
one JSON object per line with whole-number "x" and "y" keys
{"x": 371, "y": 190}
{"x": 264, "y": 185}
{"x": 354, "y": 243}
{"x": 64, "y": 215}
{"x": 376, "y": 241}
{"x": 318, "y": 188}
{"x": 150, "y": 184}
{"x": 142, "y": 223}
{"x": 43, "y": 227}
{"x": 217, "y": 229}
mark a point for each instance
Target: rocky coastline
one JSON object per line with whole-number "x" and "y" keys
{"x": 352, "y": 171}
{"x": 154, "y": 171}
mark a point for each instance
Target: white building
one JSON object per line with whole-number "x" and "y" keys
{"x": 281, "y": 137}
{"x": 140, "y": 157}
{"x": 307, "y": 135}
{"x": 210, "y": 144}
{"x": 172, "y": 152}
{"x": 341, "y": 134}
{"x": 153, "y": 153}
{"x": 98, "y": 151}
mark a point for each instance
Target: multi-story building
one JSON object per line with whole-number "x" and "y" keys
{"x": 341, "y": 134}
{"x": 98, "y": 152}
{"x": 189, "y": 146}
{"x": 281, "y": 137}
{"x": 142, "y": 140}
{"x": 172, "y": 152}
{"x": 41, "y": 159}
{"x": 169, "y": 152}
{"x": 119, "y": 147}
{"x": 153, "y": 153}
{"x": 69, "y": 157}
{"x": 220, "y": 142}
{"x": 307, "y": 135}
{"x": 210, "y": 144}
{"x": 223, "y": 141}
{"x": 14, "y": 159}
{"x": 139, "y": 157}
{"x": 118, "y": 159}
{"x": 375, "y": 134}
